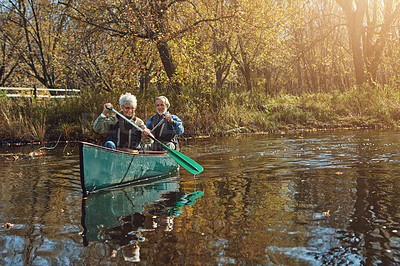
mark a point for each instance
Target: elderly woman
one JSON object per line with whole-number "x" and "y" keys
{"x": 164, "y": 126}
{"x": 121, "y": 134}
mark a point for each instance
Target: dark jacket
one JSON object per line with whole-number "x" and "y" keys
{"x": 124, "y": 135}
{"x": 167, "y": 131}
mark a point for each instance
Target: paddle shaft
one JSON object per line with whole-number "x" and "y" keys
{"x": 136, "y": 126}
{"x": 159, "y": 123}
{"x": 186, "y": 162}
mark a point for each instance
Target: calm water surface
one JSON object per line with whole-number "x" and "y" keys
{"x": 307, "y": 199}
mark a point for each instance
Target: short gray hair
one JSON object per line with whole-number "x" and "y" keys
{"x": 128, "y": 98}
{"x": 164, "y": 99}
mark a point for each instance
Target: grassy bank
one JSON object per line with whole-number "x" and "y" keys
{"x": 203, "y": 114}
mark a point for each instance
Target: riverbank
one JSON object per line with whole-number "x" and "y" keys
{"x": 29, "y": 121}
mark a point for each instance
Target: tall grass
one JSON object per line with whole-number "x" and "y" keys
{"x": 205, "y": 112}
{"x": 17, "y": 127}
{"x": 25, "y": 119}
{"x": 243, "y": 111}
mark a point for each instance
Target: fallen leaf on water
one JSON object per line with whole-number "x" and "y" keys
{"x": 35, "y": 153}
{"x": 114, "y": 254}
{"x": 7, "y": 225}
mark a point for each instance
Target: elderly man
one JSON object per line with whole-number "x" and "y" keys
{"x": 164, "y": 126}
{"x": 121, "y": 134}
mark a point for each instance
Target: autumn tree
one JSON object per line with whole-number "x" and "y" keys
{"x": 369, "y": 23}
{"x": 389, "y": 71}
{"x": 320, "y": 57}
{"x": 41, "y": 23}
{"x": 130, "y": 20}
{"x": 150, "y": 21}
{"x": 9, "y": 59}
{"x": 235, "y": 42}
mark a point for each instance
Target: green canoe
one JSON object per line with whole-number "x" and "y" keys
{"x": 102, "y": 167}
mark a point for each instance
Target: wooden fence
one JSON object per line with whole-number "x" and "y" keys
{"x": 35, "y": 92}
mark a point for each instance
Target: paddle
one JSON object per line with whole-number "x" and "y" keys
{"x": 180, "y": 158}
{"x": 159, "y": 123}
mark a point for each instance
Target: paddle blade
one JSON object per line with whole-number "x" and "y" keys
{"x": 184, "y": 161}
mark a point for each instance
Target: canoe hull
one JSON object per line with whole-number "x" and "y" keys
{"x": 101, "y": 167}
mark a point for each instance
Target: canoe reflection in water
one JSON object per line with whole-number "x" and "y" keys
{"x": 120, "y": 216}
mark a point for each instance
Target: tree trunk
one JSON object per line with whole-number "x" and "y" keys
{"x": 247, "y": 76}
{"x": 166, "y": 58}
{"x": 245, "y": 66}
{"x": 222, "y": 64}
{"x": 169, "y": 65}
{"x": 159, "y": 11}
{"x": 356, "y": 29}
{"x": 376, "y": 36}
{"x": 368, "y": 42}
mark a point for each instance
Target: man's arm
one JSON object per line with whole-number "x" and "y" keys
{"x": 177, "y": 125}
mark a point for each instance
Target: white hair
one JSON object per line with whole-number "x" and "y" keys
{"x": 128, "y": 98}
{"x": 164, "y": 99}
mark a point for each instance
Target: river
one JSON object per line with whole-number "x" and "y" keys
{"x": 297, "y": 199}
